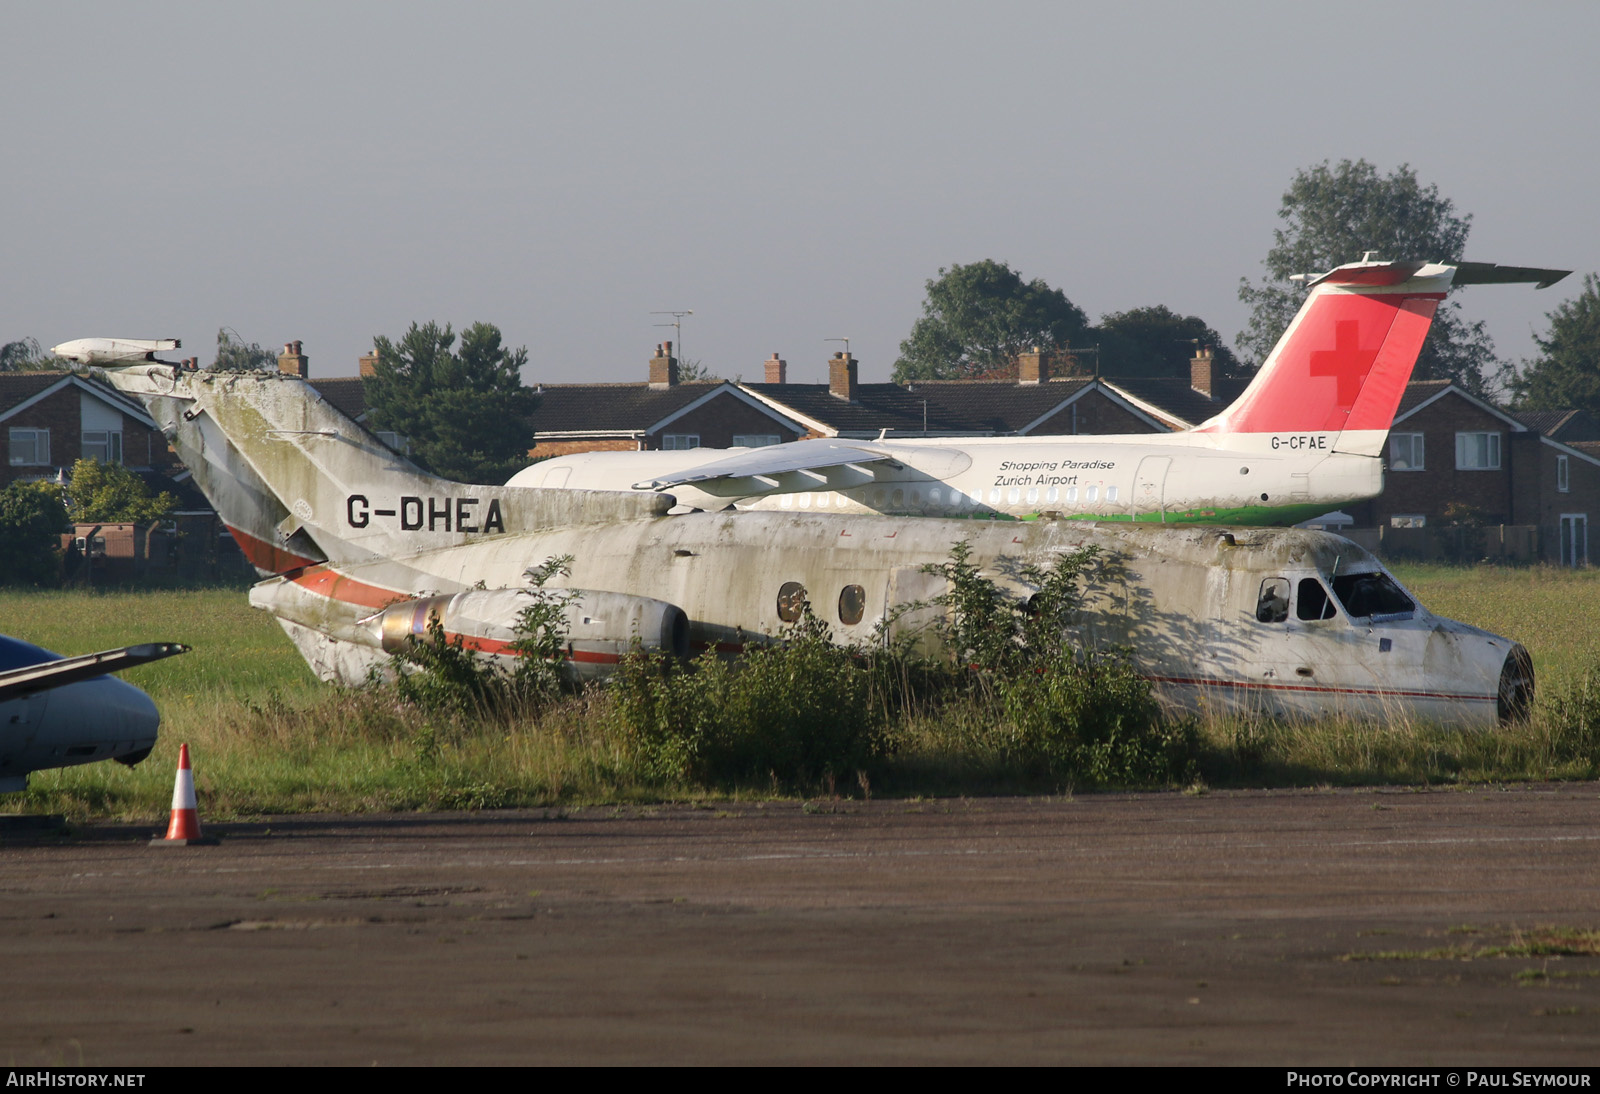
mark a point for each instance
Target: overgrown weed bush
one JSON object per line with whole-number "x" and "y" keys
{"x": 802, "y": 710}
{"x": 798, "y": 711}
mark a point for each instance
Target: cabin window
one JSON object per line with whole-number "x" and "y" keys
{"x": 1273, "y": 604}
{"x": 1477, "y": 451}
{"x": 1563, "y": 475}
{"x": 675, "y": 442}
{"x": 897, "y": 498}
{"x": 30, "y": 447}
{"x": 756, "y": 440}
{"x": 852, "y": 605}
{"x": 1313, "y": 602}
{"x": 976, "y": 497}
{"x": 1052, "y": 494}
{"x": 805, "y": 501}
{"x": 1405, "y": 452}
{"x": 1111, "y": 493}
{"x": 1033, "y": 494}
{"x": 1072, "y": 493}
{"x": 1013, "y": 495}
{"x": 1375, "y": 595}
{"x": 791, "y": 601}
{"x": 1091, "y": 495}
{"x": 994, "y": 496}
{"x": 934, "y": 496}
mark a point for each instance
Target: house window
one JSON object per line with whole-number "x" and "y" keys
{"x": 1408, "y": 520}
{"x": 1477, "y": 451}
{"x": 1405, "y": 452}
{"x": 679, "y": 441}
{"x": 104, "y": 445}
{"x": 1563, "y": 482}
{"x": 30, "y": 447}
{"x": 753, "y": 440}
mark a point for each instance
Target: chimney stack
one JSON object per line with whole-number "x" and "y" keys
{"x": 1033, "y": 367}
{"x": 663, "y": 368}
{"x": 842, "y": 376}
{"x": 1201, "y": 376}
{"x": 292, "y": 361}
{"x": 777, "y": 369}
{"x": 369, "y": 364}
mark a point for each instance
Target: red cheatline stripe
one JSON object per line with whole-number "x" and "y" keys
{"x": 1250, "y": 685}
{"x": 267, "y": 556}
{"x": 503, "y": 649}
{"x": 327, "y": 582}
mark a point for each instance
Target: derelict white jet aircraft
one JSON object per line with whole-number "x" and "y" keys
{"x": 365, "y": 549}
{"x": 1305, "y": 437}
{"x": 114, "y": 351}
{"x": 59, "y": 711}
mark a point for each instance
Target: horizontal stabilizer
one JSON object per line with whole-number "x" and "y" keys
{"x": 1487, "y": 273}
{"x": 114, "y": 351}
{"x": 70, "y": 670}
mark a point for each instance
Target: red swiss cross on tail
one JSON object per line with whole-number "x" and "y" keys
{"x": 1344, "y": 362}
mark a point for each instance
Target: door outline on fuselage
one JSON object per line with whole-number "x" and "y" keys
{"x": 1149, "y": 485}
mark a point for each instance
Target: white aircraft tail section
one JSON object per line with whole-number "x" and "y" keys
{"x": 299, "y": 482}
{"x": 1344, "y": 362}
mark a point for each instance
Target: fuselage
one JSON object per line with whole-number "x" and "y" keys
{"x": 1177, "y": 478}
{"x": 98, "y": 719}
{"x": 1347, "y": 639}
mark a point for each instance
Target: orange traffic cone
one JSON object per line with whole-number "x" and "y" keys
{"x": 184, "y": 828}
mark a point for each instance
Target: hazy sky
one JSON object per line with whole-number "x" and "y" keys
{"x": 793, "y": 173}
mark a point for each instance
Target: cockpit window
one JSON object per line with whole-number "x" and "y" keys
{"x": 1372, "y": 595}
{"x": 1313, "y": 602}
{"x": 1273, "y": 605}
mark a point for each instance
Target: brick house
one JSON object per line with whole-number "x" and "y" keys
{"x": 1037, "y": 403}
{"x": 53, "y": 419}
{"x": 1456, "y": 460}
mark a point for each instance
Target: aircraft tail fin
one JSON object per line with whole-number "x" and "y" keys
{"x": 299, "y": 482}
{"x": 1343, "y": 364}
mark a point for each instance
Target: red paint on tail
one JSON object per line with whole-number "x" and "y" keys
{"x": 1343, "y": 364}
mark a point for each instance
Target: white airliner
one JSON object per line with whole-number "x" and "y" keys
{"x": 365, "y": 549}
{"x": 1305, "y": 437}
{"x": 59, "y": 711}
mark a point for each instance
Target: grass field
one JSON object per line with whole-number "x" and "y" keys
{"x": 268, "y": 738}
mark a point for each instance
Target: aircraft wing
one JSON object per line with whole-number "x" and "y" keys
{"x": 1487, "y": 273}
{"x": 69, "y": 670}
{"x": 818, "y": 464}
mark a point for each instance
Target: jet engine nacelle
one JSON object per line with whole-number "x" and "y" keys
{"x": 601, "y": 627}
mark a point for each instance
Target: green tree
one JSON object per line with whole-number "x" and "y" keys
{"x": 32, "y": 519}
{"x": 1157, "y": 341}
{"x": 26, "y": 355}
{"x": 692, "y": 370}
{"x": 110, "y": 493}
{"x": 465, "y": 414}
{"x": 1566, "y": 373}
{"x": 1333, "y": 215}
{"x": 233, "y": 355}
{"x": 978, "y": 318}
